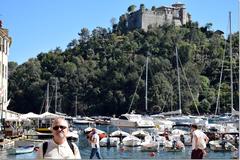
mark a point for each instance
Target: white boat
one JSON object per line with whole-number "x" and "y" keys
{"x": 174, "y": 146}
{"x": 131, "y": 120}
{"x": 219, "y": 145}
{"x": 109, "y": 142}
{"x": 161, "y": 123}
{"x": 83, "y": 120}
{"x": 119, "y": 133}
{"x": 73, "y": 136}
{"x": 21, "y": 149}
{"x": 131, "y": 141}
{"x": 89, "y": 129}
{"x": 141, "y": 134}
{"x": 150, "y": 146}
{"x": 6, "y": 143}
{"x": 126, "y": 120}
{"x": 145, "y": 122}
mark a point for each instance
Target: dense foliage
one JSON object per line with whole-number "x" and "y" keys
{"x": 102, "y": 69}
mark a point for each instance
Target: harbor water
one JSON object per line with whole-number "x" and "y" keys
{"x": 125, "y": 152}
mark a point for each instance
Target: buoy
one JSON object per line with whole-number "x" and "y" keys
{"x": 36, "y": 149}
{"x": 122, "y": 149}
{"x": 152, "y": 154}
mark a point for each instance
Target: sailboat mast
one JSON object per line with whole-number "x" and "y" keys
{"x": 239, "y": 55}
{"x": 230, "y": 48}
{"x": 76, "y": 103}
{"x": 55, "y": 110}
{"x": 178, "y": 78}
{"x": 47, "y": 99}
{"x": 146, "y": 85}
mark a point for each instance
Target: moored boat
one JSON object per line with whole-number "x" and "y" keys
{"x": 21, "y": 149}
{"x": 220, "y": 145}
{"x": 131, "y": 141}
{"x": 109, "y": 142}
{"x": 174, "y": 146}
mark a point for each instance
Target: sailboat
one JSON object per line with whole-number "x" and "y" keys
{"x": 233, "y": 111}
{"x": 178, "y": 111}
{"x": 45, "y": 121}
{"x": 132, "y": 119}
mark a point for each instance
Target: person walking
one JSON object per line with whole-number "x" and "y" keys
{"x": 199, "y": 141}
{"x": 59, "y": 147}
{"x": 94, "y": 141}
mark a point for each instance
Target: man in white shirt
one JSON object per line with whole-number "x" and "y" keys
{"x": 59, "y": 147}
{"x": 199, "y": 141}
{"x": 94, "y": 140}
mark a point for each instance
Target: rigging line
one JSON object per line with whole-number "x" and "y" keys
{"x": 164, "y": 104}
{"x": 189, "y": 86}
{"x": 231, "y": 74}
{"x": 239, "y": 55}
{"x": 220, "y": 79}
{"x": 136, "y": 88}
{"x": 43, "y": 102}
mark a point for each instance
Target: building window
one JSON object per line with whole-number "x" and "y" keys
{"x": 1, "y": 44}
{"x": 2, "y": 70}
{"x": 6, "y": 71}
{"x": 5, "y": 46}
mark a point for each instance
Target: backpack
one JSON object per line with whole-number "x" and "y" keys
{"x": 45, "y": 146}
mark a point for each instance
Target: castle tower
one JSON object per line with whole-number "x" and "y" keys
{"x": 5, "y": 42}
{"x": 180, "y": 8}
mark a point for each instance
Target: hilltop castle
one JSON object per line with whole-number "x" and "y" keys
{"x": 143, "y": 18}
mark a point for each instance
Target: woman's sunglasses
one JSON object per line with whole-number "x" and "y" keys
{"x": 61, "y": 127}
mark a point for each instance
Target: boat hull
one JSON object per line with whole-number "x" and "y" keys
{"x": 123, "y": 123}
{"x": 21, "y": 150}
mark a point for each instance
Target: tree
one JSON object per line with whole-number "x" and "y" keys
{"x": 131, "y": 8}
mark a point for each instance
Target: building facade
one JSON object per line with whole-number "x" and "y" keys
{"x": 143, "y": 18}
{"x": 5, "y": 43}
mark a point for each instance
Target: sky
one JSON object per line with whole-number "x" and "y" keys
{"x": 42, "y": 25}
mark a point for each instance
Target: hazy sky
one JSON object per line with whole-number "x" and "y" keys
{"x": 42, "y": 25}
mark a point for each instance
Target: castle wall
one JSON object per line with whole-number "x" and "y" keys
{"x": 152, "y": 19}
{"x": 176, "y": 15}
{"x": 135, "y": 20}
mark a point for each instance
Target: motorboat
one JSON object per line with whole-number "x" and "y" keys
{"x": 126, "y": 120}
{"x": 221, "y": 145}
{"x": 109, "y": 142}
{"x": 131, "y": 141}
{"x": 119, "y": 133}
{"x": 21, "y": 149}
{"x": 174, "y": 146}
{"x": 73, "y": 136}
{"x": 141, "y": 134}
{"x": 6, "y": 143}
{"x": 132, "y": 120}
{"x": 150, "y": 146}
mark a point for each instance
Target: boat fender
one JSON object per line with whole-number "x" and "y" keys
{"x": 152, "y": 154}
{"x": 45, "y": 146}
